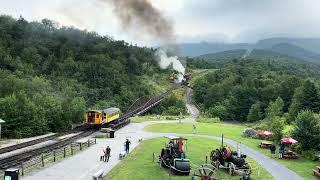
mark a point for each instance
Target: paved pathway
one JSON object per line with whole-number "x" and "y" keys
{"x": 83, "y": 165}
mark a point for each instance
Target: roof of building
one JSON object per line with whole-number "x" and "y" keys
{"x": 108, "y": 111}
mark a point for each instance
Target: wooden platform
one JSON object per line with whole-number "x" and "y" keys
{"x": 265, "y": 144}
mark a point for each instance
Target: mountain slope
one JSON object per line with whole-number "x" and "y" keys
{"x": 310, "y": 44}
{"x": 295, "y": 51}
{"x": 197, "y": 49}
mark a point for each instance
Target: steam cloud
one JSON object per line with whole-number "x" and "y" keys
{"x": 166, "y": 61}
{"x": 141, "y": 18}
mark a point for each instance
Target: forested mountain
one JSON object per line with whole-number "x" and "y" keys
{"x": 277, "y": 61}
{"x": 300, "y": 48}
{"x": 197, "y": 49}
{"x": 50, "y": 75}
{"x": 309, "y": 44}
{"x": 295, "y": 51}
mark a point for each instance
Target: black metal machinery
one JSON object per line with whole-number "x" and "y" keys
{"x": 173, "y": 156}
{"x": 232, "y": 161}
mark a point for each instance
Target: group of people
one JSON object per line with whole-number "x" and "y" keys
{"x": 273, "y": 150}
{"x": 106, "y": 152}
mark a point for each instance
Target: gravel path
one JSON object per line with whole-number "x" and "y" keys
{"x": 83, "y": 165}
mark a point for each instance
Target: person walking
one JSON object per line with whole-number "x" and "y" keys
{"x": 194, "y": 129}
{"x": 127, "y": 143}
{"x": 272, "y": 150}
{"x": 103, "y": 155}
{"x": 281, "y": 150}
{"x": 107, "y": 155}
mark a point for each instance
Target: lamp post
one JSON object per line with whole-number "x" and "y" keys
{"x": 1, "y": 121}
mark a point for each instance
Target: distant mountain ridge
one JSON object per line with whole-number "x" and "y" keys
{"x": 197, "y": 49}
{"x": 310, "y": 44}
{"x": 307, "y": 49}
{"x": 296, "y": 51}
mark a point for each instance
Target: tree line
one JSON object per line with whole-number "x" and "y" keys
{"x": 253, "y": 91}
{"x": 50, "y": 75}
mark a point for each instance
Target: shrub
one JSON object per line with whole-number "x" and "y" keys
{"x": 310, "y": 154}
{"x": 209, "y": 120}
{"x": 287, "y": 130}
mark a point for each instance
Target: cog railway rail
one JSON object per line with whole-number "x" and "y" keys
{"x": 138, "y": 108}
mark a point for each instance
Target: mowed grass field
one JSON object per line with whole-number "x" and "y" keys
{"x": 139, "y": 165}
{"x": 139, "y": 119}
{"x": 301, "y": 166}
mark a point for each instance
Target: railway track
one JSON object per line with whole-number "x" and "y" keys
{"x": 16, "y": 160}
{"x": 32, "y": 142}
{"x": 150, "y": 103}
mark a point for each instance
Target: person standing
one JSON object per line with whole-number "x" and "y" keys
{"x": 281, "y": 150}
{"x": 127, "y": 143}
{"x": 272, "y": 150}
{"x": 107, "y": 155}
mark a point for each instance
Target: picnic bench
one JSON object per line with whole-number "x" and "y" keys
{"x": 316, "y": 172}
{"x": 265, "y": 144}
{"x": 290, "y": 155}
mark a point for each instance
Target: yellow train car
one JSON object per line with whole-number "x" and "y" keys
{"x": 99, "y": 118}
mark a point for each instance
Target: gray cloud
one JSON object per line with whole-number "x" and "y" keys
{"x": 205, "y": 20}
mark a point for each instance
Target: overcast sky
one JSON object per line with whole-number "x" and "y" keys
{"x": 193, "y": 20}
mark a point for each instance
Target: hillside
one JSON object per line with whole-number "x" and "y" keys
{"x": 197, "y": 49}
{"x": 277, "y": 61}
{"x": 301, "y": 48}
{"x": 296, "y": 51}
{"x": 310, "y": 44}
{"x": 50, "y": 75}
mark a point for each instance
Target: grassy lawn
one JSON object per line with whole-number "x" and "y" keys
{"x": 301, "y": 166}
{"x": 139, "y": 119}
{"x": 139, "y": 165}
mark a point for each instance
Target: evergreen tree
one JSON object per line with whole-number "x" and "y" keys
{"x": 275, "y": 108}
{"x": 307, "y": 130}
{"x": 255, "y": 112}
{"x": 305, "y": 97}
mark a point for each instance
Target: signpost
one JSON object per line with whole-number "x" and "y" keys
{"x": 1, "y": 121}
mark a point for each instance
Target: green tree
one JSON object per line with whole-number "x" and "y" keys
{"x": 219, "y": 111}
{"x": 307, "y": 130}
{"x": 305, "y": 97}
{"x": 255, "y": 112}
{"x": 275, "y": 108}
{"x": 276, "y": 125}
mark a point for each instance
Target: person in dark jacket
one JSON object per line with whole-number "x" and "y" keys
{"x": 107, "y": 155}
{"x": 127, "y": 145}
{"x": 272, "y": 150}
{"x": 281, "y": 150}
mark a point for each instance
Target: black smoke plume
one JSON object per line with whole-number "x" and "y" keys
{"x": 140, "y": 17}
